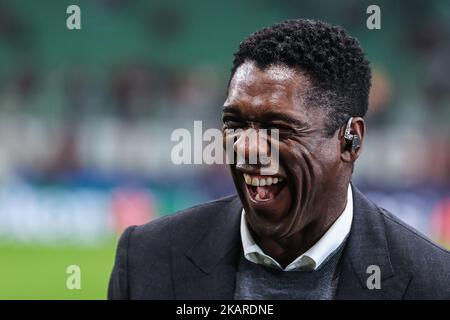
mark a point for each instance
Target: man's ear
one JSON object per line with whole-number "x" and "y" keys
{"x": 349, "y": 151}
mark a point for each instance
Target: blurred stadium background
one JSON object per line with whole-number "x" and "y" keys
{"x": 86, "y": 118}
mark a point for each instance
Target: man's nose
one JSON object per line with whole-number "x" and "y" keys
{"x": 252, "y": 147}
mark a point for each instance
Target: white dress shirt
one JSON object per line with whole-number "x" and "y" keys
{"x": 314, "y": 256}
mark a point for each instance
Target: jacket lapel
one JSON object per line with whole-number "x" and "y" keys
{"x": 207, "y": 270}
{"x": 367, "y": 246}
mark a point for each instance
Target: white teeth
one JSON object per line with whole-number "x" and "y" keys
{"x": 261, "y": 181}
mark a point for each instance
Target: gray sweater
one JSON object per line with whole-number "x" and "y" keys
{"x": 257, "y": 282}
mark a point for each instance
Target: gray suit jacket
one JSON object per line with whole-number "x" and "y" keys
{"x": 194, "y": 254}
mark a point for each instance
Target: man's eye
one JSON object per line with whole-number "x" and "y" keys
{"x": 233, "y": 123}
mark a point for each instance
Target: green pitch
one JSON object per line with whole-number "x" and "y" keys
{"x": 39, "y": 272}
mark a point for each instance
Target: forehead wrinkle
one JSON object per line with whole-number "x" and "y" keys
{"x": 276, "y": 85}
{"x": 249, "y": 75}
{"x": 260, "y": 101}
{"x": 249, "y": 72}
{"x": 263, "y": 91}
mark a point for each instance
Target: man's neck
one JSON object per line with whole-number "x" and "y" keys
{"x": 286, "y": 250}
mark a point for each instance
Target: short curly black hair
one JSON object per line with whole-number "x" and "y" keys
{"x": 338, "y": 69}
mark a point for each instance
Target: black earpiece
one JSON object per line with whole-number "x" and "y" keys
{"x": 353, "y": 140}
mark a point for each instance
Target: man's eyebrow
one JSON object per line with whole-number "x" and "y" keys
{"x": 270, "y": 116}
{"x": 231, "y": 109}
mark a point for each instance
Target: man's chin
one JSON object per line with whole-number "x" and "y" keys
{"x": 263, "y": 227}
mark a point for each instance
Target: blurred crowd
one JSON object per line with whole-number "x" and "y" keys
{"x": 93, "y": 109}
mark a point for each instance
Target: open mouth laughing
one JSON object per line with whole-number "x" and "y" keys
{"x": 264, "y": 192}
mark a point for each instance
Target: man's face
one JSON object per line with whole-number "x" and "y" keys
{"x": 310, "y": 167}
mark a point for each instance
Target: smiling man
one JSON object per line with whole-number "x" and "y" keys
{"x": 303, "y": 231}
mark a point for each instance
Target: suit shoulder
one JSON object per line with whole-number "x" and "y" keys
{"x": 413, "y": 253}
{"x": 188, "y": 219}
{"x": 413, "y": 247}
{"x": 406, "y": 232}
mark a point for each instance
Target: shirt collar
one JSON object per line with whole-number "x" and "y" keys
{"x": 315, "y": 256}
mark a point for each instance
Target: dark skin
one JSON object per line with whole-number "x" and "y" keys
{"x": 315, "y": 168}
